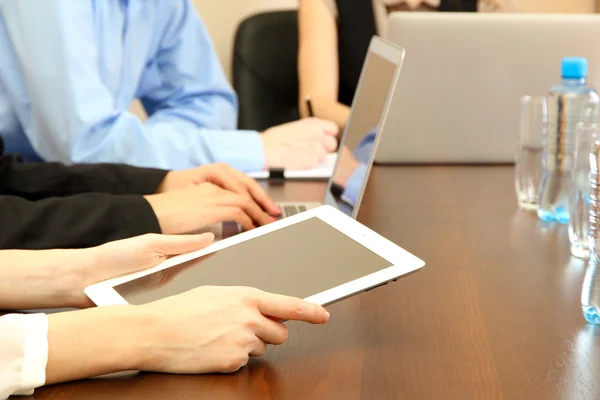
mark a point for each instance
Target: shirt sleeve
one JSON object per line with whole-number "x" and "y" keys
{"x": 35, "y": 181}
{"x": 75, "y": 118}
{"x": 78, "y": 221}
{"x": 23, "y": 353}
{"x": 364, "y": 150}
{"x": 190, "y": 69}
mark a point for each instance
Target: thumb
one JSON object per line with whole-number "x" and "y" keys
{"x": 172, "y": 245}
{"x": 329, "y": 127}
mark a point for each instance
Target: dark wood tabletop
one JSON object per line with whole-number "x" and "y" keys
{"x": 495, "y": 314}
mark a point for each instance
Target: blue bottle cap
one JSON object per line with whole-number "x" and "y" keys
{"x": 574, "y": 67}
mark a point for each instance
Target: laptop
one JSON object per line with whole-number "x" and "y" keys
{"x": 458, "y": 99}
{"x": 358, "y": 143}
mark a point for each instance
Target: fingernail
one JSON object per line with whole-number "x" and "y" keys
{"x": 271, "y": 219}
{"x": 327, "y": 316}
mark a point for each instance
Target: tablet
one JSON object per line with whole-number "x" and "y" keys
{"x": 320, "y": 255}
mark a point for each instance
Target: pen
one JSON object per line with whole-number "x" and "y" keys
{"x": 310, "y": 107}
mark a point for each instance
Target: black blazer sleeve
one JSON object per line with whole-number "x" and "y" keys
{"x": 40, "y": 181}
{"x": 77, "y": 221}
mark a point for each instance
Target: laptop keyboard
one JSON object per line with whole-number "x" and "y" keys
{"x": 232, "y": 229}
{"x": 289, "y": 210}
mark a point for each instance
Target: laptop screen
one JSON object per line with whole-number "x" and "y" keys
{"x": 357, "y": 145}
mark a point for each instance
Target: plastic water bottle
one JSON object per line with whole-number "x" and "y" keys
{"x": 566, "y": 105}
{"x": 590, "y": 296}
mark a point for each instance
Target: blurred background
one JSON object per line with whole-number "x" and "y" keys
{"x": 223, "y": 17}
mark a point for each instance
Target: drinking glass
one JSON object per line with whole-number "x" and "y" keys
{"x": 528, "y": 175}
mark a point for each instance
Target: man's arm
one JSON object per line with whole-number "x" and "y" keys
{"x": 34, "y": 181}
{"x": 195, "y": 92}
{"x": 73, "y": 222}
{"x": 51, "y": 50}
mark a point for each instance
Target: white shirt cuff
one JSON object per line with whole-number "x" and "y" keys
{"x": 33, "y": 372}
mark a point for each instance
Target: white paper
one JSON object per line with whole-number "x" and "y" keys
{"x": 321, "y": 171}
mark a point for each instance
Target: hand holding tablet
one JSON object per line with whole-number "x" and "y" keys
{"x": 217, "y": 329}
{"x": 198, "y": 207}
{"x": 212, "y": 309}
{"x": 321, "y": 255}
{"x": 208, "y": 329}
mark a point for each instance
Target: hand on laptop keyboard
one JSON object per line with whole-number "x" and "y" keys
{"x": 200, "y": 206}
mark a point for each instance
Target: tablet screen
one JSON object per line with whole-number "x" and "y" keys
{"x": 300, "y": 260}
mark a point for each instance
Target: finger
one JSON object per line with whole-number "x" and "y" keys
{"x": 252, "y": 209}
{"x": 258, "y": 348}
{"x": 258, "y": 215}
{"x": 272, "y": 332}
{"x": 259, "y": 195}
{"x": 330, "y": 143}
{"x": 329, "y": 127}
{"x": 224, "y": 176}
{"x": 235, "y": 214}
{"x": 291, "y": 308}
{"x": 319, "y": 152}
{"x": 178, "y": 244}
{"x": 236, "y": 181}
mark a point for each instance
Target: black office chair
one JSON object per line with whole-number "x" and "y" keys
{"x": 265, "y": 69}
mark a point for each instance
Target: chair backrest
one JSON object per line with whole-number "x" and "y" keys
{"x": 265, "y": 69}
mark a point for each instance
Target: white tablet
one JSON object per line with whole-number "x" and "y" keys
{"x": 320, "y": 255}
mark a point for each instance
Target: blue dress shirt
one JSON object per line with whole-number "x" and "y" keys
{"x": 69, "y": 70}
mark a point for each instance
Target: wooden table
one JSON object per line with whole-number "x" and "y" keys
{"x": 495, "y": 314}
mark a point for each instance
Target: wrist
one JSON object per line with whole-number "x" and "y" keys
{"x": 121, "y": 326}
{"x": 137, "y": 334}
{"x": 149, "y": 346}
{"x": 163, "y": 185}
{"x": 162, "y": 211}
{"x": 81, "y": 275}
{"x": 270, "y": 156}
{"x": 108, "y": 340}
{"x": 38, "y": 282}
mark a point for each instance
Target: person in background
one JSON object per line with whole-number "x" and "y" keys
{"x": 70, "y": 70}
{"x": 218, "y": 328}
{"x": 49, "y": 205}
{"x": 334, "y": 37}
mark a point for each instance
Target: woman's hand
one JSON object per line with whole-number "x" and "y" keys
{"x": 224, "y": 177}
{"x": 217, "y": 329}
{"x": 130, "y": 255}
{"x": 57, "y": 278}
{"x": 208, "y": 329}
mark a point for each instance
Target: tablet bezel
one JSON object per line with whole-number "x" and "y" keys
{"x": 403, "y": 262}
